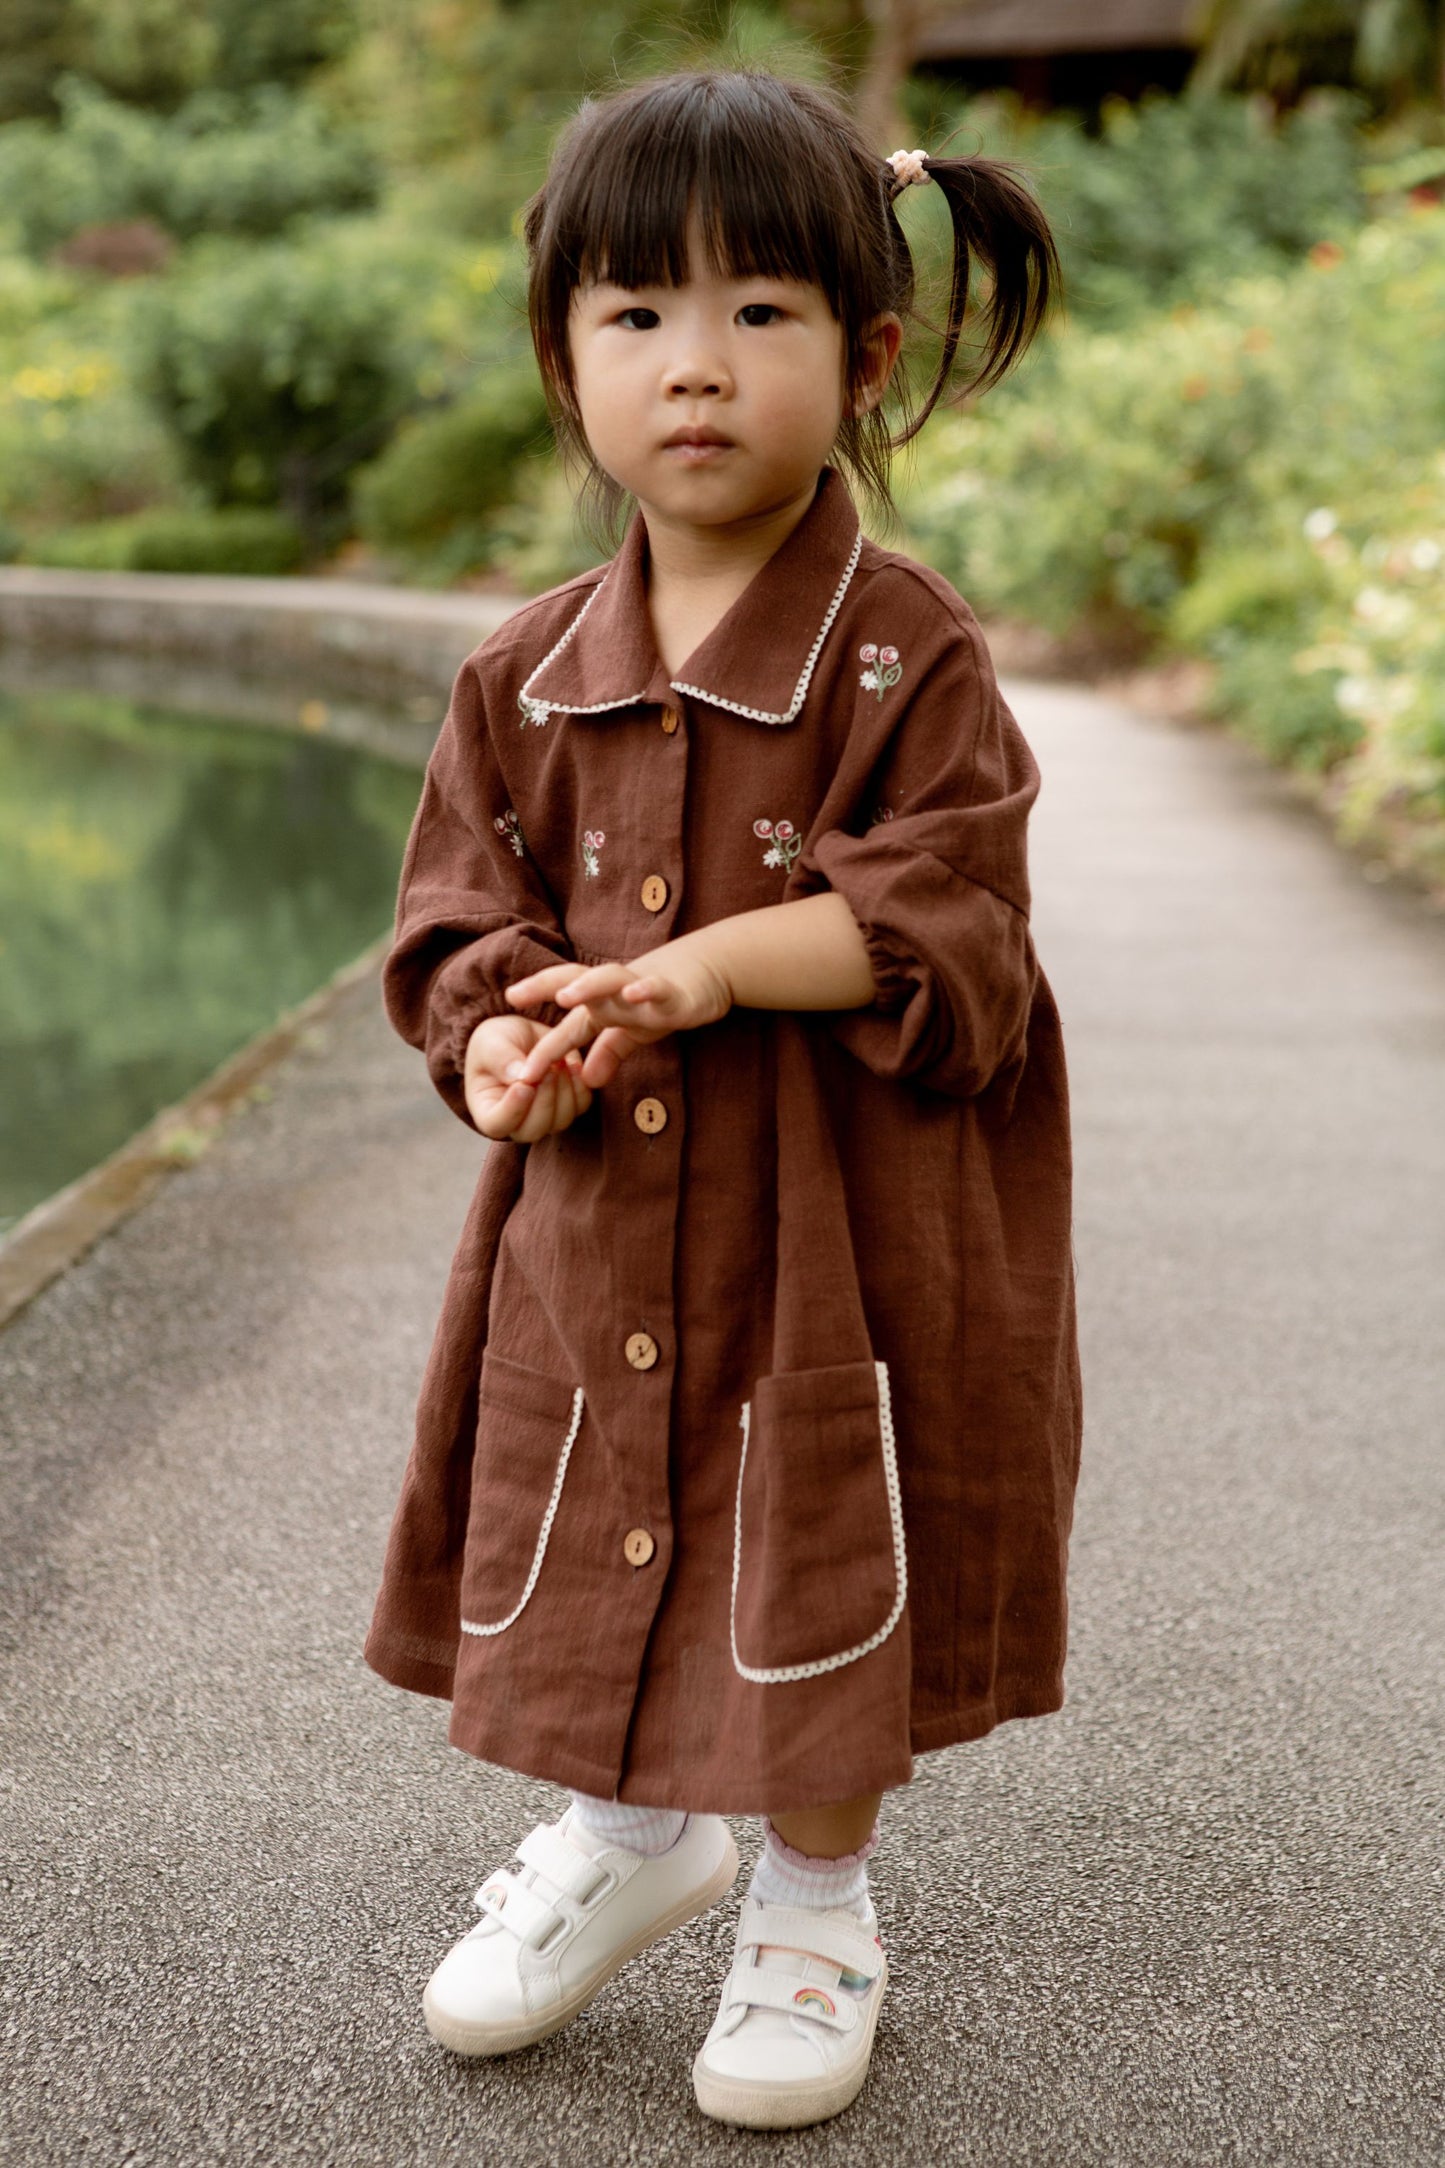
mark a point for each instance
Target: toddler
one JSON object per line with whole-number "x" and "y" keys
{"x": 745, "y": 1453}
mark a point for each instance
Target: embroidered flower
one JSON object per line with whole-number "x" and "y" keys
{"x": 533, "y": 711}
{"x": 592, "y": 842}
{"x": 507, "y": 824}
{"x": 880, "y": 813}
{"x": 783, "y": 840}
{"x": 885, "y": 668}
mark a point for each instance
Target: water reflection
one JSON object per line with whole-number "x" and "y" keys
{"x": 168, "y": 883}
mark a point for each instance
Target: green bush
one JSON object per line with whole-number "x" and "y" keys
{"x": 226, "y": 162}
{"x": 280, "y": 367}
{"x": 447, "y": 470}
{"x": 1175, "y": 197}
{"x": 255, "y": 541}
{"x": 1260, "y": 482}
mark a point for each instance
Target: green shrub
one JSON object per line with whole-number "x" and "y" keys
{"x": 1175, "y": 197}
{"x": 280, "y": 367}
{"x": 248, "y": 540}
{"x": 1262, "y": 482}
{"x": 447, "y": 470}
{"x": 226, "y": 162}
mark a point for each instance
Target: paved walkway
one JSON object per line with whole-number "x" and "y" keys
{"x": 1196, "y": 1918}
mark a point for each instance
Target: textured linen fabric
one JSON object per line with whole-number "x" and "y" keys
{"x": 795, "y": 1297}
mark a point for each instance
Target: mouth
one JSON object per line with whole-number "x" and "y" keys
{"x": 697, "y": 446}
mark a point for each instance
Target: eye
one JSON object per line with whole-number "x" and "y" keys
{"x": 758, "y": 313}
{"x": 625, "y": 316}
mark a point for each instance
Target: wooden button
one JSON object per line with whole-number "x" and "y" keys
{"x": 654, "y": 892}
{"x": 641, "y": 1350}
{"x": 670, "y": 720}
{"x": 650, "y": 1114}
{"x": 637, "y": 1546}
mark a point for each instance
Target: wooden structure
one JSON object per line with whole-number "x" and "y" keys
{"x": 1064, "y": 52}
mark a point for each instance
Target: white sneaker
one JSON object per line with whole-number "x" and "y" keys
{"x": 558, "y": 1922}
{"x": 793, "y": 2036}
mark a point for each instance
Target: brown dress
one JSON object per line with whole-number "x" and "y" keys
{"x": 745, "y": 1454}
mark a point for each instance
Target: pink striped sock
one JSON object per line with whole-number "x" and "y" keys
{"x": 784, "y": 1876}
{"x": 649, "y": 1830}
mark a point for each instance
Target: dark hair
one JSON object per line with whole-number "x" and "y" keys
{"x": 785, "y": 186}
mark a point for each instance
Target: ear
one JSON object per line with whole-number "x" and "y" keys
{"x": 882, "y": 339}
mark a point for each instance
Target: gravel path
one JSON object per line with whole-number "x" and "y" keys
{"x": 1196, "y": 1918}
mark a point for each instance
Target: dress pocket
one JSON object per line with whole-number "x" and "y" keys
{"x": 527, "y": 1424}
{"x": 820, "y": 1576}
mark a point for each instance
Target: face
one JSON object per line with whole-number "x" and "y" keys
{"x": 717, "y": 401}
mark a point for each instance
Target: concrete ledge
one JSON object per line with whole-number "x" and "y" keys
{"x": 368, "y": 639}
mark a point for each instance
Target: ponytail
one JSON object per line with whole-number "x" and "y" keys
{"x": 996, "y": 218}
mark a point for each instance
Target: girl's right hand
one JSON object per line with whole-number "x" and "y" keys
{"x": 502, "y": 1107}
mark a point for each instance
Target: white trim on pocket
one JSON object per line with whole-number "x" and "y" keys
{"x": 783, "y": 1674}
{"x": 545, "y": 1531}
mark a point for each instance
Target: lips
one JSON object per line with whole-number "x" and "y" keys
{"x": 695, "y": 436}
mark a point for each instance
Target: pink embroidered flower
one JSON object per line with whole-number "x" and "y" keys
{"x": 592, "y": 842}
{"x": 508, "y": 825}
{"x": 880, "y": 813}
{"x": 885, "y": 668}
{"x": 785, "y": 842}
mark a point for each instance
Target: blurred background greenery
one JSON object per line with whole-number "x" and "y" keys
{"x": 261, "y": 311}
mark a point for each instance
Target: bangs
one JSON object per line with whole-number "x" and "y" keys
{"x": 752, "y": 178}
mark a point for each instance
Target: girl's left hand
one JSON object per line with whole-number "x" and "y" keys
{"x": 621, "y": 1006}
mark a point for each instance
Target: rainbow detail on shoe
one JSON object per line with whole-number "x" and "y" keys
{"x": 813, "y": 1998}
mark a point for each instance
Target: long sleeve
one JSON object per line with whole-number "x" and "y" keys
{"x": 938, "y": 882}
{"x": 472, "y": 913}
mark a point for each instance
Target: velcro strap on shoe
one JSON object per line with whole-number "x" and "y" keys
{"x": 562, "y": 1864}
{"x": 763, "y": 1989}
{"x": 790, "y": 1927}
{"x": 506, "y": 1898}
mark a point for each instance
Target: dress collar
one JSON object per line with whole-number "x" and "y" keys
{"x": 757, "y": 661}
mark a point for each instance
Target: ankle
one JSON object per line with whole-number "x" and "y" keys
{"x": 648, "y": 1830}
{"x": 786, "y": 1876}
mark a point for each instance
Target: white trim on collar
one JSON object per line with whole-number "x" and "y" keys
{"x": 800, "y": 690}
{"x": 541, "y": 711}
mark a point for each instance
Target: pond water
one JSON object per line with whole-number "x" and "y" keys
{"x": 169, "y": 882}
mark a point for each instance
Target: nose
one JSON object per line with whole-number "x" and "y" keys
{"x": 695, "y": 370}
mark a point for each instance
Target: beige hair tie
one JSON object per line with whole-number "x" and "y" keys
{"x": 908, "y": 167}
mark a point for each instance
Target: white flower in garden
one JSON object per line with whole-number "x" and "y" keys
{"x": 1425, "y": 554}
{"x": 1353, "y": 695}
{"x": 1320, "y": 524}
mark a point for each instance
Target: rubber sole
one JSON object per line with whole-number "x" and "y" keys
{"x": 775, "y": 2104}
{"x": 484, "y": 2039}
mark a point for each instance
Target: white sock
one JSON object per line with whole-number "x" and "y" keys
{"x": 784, "y": 1876}
{"x": 649, "y": 1830}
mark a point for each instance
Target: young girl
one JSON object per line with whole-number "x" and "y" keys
{"x": 746, "y": 1450}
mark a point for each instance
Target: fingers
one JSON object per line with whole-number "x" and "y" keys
{"x": 524, "y": 1111}
{"x": 500, "y": 1113}
{"x": 554, "y": 1045}
{"x": 606, "y": 1055}
{"x": 544, "y": 985}
{"x": 557, "y": 1103}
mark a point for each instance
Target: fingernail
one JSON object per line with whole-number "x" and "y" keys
{"x": 515, "y": 1070}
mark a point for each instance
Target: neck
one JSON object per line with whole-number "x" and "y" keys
{"x": 695, "y": 574}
